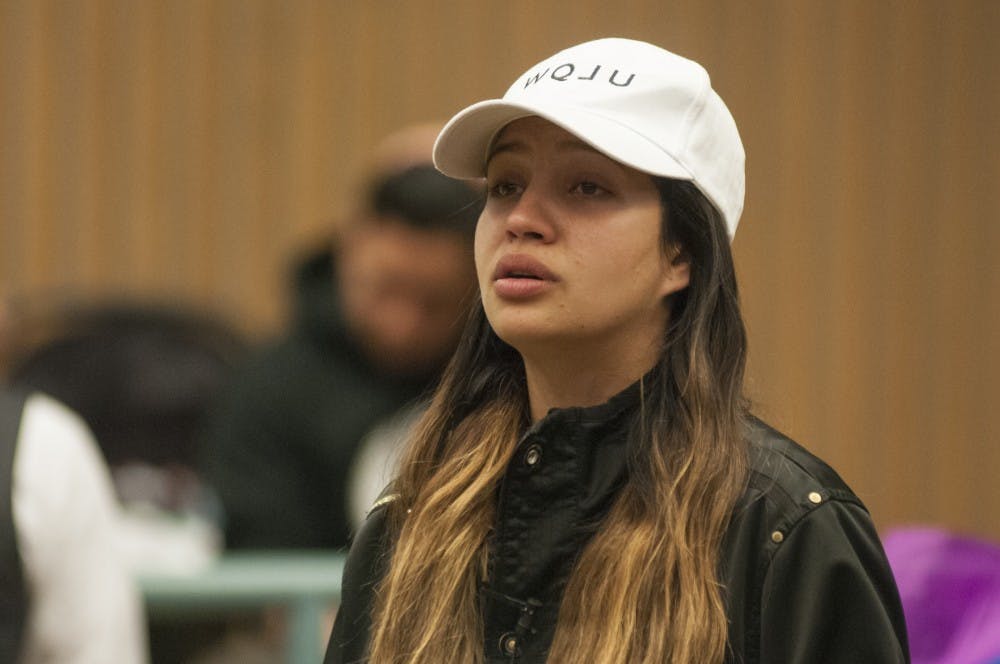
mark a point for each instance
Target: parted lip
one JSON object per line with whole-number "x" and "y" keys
{"x": 522, "y": 266}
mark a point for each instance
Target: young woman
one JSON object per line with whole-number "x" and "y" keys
{"x": 588, "y": 485}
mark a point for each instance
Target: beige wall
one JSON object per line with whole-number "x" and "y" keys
{"x": 183, "y": 148}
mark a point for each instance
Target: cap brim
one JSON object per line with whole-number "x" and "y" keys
{"x": 462, "y": 147}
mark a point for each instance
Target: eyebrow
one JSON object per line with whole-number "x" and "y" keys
{"x": 515, "y": 146}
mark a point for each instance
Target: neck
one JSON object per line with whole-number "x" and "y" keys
{"x": 561, "y": 380}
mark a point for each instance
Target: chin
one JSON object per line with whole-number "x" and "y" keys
{"x": 524, "y": 338}
{"x": 523, "y": 325}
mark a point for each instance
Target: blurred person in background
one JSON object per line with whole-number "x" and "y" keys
{"x": 376, "y": 316}
{"x": 66, "y": 594}
{"x": 141, "y": 375}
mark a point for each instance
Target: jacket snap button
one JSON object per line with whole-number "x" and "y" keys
{"x": 533, "y": 456}
{"x": 508, "y": 643}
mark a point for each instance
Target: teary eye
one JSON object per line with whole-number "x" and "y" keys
{"x": 588, "y": 188}
{"x": 503, "y": 189}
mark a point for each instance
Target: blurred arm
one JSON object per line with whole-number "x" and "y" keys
{"x": 85, "y": 606}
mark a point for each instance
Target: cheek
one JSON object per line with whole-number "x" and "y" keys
{"x": 355, "y": 287}
{"x": 483, "y": 249}
{"x": 623, "y": 271}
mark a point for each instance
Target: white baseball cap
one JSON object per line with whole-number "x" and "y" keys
{"x": 637, "y": 103}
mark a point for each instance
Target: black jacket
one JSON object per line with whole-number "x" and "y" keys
{"x": 279, "y": 446}
{"x": 14, "y": 599}
{"x": 805, "y": 576}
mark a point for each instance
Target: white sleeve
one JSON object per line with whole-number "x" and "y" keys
{"x": 85, "y": 606}
{"x": 376, "y": 461}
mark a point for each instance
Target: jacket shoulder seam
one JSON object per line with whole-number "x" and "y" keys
{"x": 382, "y": 501}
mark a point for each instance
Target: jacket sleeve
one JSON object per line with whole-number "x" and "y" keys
{"x": 259, "y": 452}
{"x": 84, "y": 605}
{"x": 365, "y": 565}
{"x": 829, "y": 594}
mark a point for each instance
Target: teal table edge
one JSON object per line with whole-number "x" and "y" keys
{"x": 305, "y": 583}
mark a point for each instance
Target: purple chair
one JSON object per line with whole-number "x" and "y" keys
{"x": 950, "y": 587}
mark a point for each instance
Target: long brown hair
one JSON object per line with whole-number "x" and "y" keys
{"x": 646, "y": 587}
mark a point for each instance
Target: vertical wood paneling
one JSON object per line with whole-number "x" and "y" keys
{"x": 36, "y": 214}
{"x": 145, "y": 222}
{"x": 186, "y": 149}
{"x": 987, "y": 313}
{"x": 901, "y": 280}
{"x": 949, "y": 267}
{"x": 854, "y": 425}
{"x": 15, "y": 47}
{"x": 956, "y": 267}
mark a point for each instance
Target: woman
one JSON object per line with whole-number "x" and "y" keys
{"x": 587, "y": 485}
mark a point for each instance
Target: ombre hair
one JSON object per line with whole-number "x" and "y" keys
{"x": 646, "y": 589}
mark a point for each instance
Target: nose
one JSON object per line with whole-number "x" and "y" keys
{"x": 531, "y": 218}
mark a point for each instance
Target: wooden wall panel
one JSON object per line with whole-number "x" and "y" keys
{"x": 186, "y": 149}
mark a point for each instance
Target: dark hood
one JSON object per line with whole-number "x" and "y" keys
{"x": 316, "y": 309}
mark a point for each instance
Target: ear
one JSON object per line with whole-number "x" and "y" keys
{"x": 676, "y": 271}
